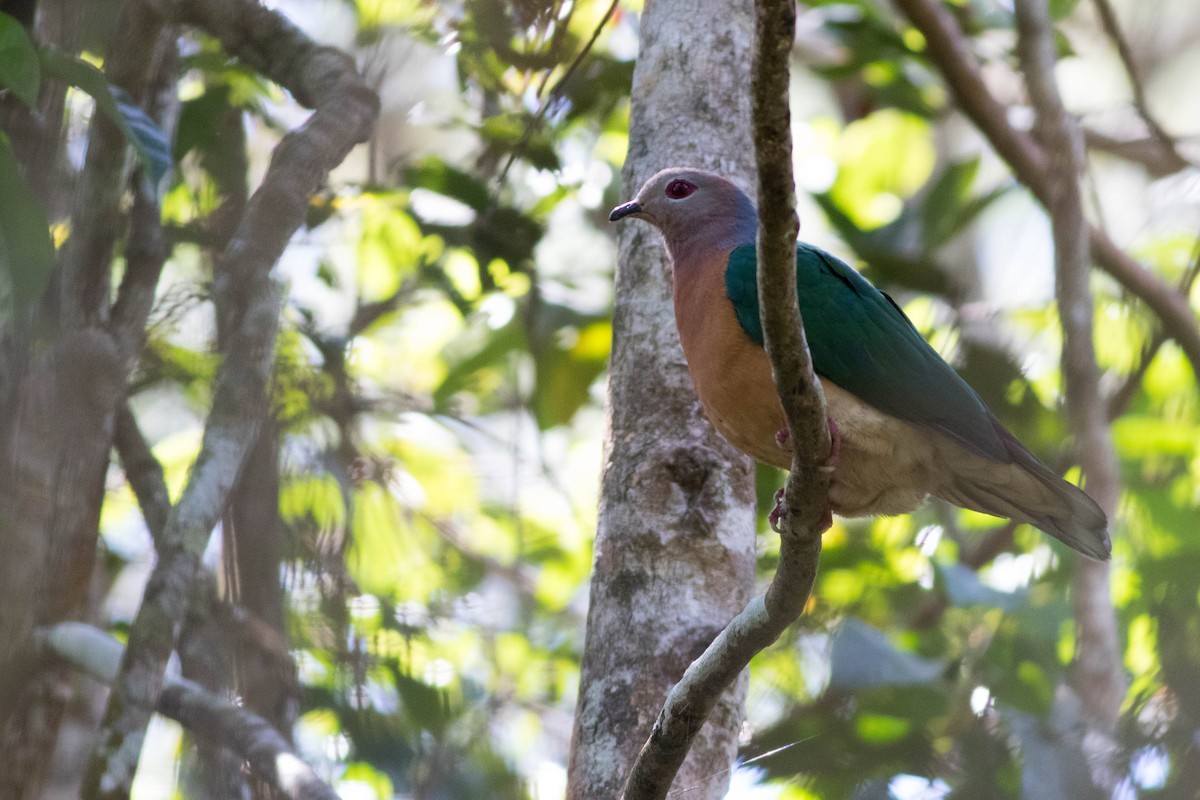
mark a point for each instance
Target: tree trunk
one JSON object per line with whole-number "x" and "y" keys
{"x": 674, "y": 553}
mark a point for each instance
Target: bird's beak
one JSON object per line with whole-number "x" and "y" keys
{"x": 622, "y": 211}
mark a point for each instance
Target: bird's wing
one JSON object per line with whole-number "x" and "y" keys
{"x": 861, "y": 340}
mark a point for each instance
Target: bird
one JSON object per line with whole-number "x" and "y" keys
{"x": 906, "y": 426}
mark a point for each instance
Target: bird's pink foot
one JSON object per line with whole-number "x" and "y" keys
{"x": 782, "y": 436}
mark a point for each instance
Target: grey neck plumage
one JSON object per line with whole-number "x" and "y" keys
{"x": 728, "y": 224}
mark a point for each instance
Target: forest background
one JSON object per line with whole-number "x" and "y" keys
{"x": 335, "y": 448}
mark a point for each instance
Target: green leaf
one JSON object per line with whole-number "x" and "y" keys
{"x": 565, "y": 375}
{"x": 427, "y": 706}
{"x": 1059, "y": 9}
{"x": 26, "y": 251}
{"x": 143, "y": 133}
{"x": 949, "y": 205}
{"x": 438, "y": 176}
{"x": 466, "y": 372}
{"x": 864, "y": 657}
{"x": 511, "y": 133}
{"x": 19, "y": 68}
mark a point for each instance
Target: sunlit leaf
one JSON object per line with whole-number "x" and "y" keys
{"x": 1142, "y": 436}
{"x": 872, "y": 184}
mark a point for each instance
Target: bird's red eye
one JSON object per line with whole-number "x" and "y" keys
{"x": 679, "y": 189}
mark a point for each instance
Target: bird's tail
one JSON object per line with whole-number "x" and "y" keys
{"x": 1026, "y": 490}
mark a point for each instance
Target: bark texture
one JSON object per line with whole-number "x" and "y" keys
{"x": 806, "y": 494}
{"x": 674, "y": 552}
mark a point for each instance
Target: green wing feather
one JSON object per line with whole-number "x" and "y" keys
{"x": 862, "y": 341}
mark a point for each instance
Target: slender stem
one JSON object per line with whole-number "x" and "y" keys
{"x": 764, "y": 618}
{"x": 1098, "y": 675}
{"x": 1108, "y": 18}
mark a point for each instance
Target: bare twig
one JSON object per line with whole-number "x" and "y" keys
{"x": 143, "y": 471}
{"x": 1099, "y": 680}
{"x": 146, "y": 249}
{"x": 946, "y": 47}
{"x": 1120, "y": 398}
{"x": 556, "y": 92}
{"x": 245, "y": 733}
{"x": 346, "y": 109}
{"x": 86, "y": 259}
{"x": 145, "y": 255}
{"x": 1157, "y": 158}
{"x": 765, "y": 618}
{"x": 1108, "y": 18}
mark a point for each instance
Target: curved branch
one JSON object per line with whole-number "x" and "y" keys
{"x": 345, "y": 112}
{"x": 1099, "y": 678}
{"x": 946, "y": 47}
{"x": 763, "y": 620}
{"x": 246, "y": 734}
{"x": 143, "y": 471}
{"x": 1108, "y": 18}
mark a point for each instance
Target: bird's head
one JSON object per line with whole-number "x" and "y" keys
{"x": 693, "y": 209}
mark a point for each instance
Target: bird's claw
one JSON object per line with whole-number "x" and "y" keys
{"x": 835, "y": 446}
{"x": 781, "y": 510}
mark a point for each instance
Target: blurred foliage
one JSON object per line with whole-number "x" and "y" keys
{"x": 439, "y": 390}
{"x": 940, "y": 667}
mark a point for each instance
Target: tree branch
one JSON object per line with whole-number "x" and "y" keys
{"x": 765, "y": 618}
{"x": 1098, "y": 678}
{"x": 1157, "y": 158}
{"x": 1120, "y": 397}
{"x": 246, "y": 734}
{"x": 946, "y": 47}
{"x": 146, "y": 248}
{"x": 1108, "y": 18}
{"x": 143, "y": 471}
{"x": 345, "y": 111}
{"x": 86, "y": 259}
